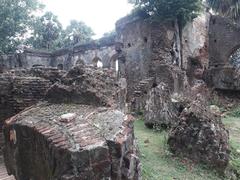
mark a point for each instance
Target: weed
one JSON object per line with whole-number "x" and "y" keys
{"x": 235, "y": 112}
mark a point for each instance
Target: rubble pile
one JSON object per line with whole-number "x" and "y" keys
{"x": 85, "y": 85}
{"x": 159, "y": 109}
{"x": 69, "y": 141}
{"x": 201, "y": 136}
{"x": 78, "y": 134}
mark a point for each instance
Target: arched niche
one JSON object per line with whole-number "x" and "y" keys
{"x": 79, "y": 62}
{"x": 60, "y": 66}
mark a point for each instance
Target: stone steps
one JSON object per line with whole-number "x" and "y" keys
{"x": 143, "y": 86}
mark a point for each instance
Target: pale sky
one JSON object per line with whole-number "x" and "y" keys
{"x": 100, "y": 15}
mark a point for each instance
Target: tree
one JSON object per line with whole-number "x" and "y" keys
{"x": 168, "y": 10}
{"x": 110, "y": 33}
{"x": 77, "y": 33}
{"x": 15, "y": 18}
{"x": 227, "y": 8}
{"x": 47, "y": 31}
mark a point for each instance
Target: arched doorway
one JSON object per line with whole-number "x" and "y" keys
{"x": 234, "y": 58}
{"x": 114, "y": 62}
{"x": 97, "y": 62}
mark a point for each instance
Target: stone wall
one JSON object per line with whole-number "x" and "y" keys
{"x": 80, "y": 133}
{"x": 18, "y": 93}
{"x": 31, "y": 58}
{"x": 224, "y": 41}
{"x": 104, "y": 54}
{"x": 23, "y": 88}
{"x": 144, "y": 46}
{"x": 10, "y": 61}
{"x": 224, "y": 38}
{"x": 195, "y": 41}
{"x": 85, "y": 143}
{"x": 102, "y": 50}
{"x": 26, "y": 60}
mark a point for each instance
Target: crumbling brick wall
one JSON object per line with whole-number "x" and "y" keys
{"x": 144, "y": 45}
{"x": 224, "y": 40}
{"x": 80, "y": 133}
{"x": 18, "y": 93}
{"x": 93, "y": 143}
{"x": 104, "y": 49}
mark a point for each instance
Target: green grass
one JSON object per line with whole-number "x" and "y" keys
{"x": 233, "y": 125}
{"x": 159, "y": 164}
{"x": 235, "y": 112}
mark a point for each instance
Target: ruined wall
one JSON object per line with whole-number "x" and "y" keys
{"x": 80, "y": 133}
{"x": 18, "y": 93}
{"x": 31, "y": 58}
{"x": 136, "y": 46}
{"x": 104, "y": 54}
{"x": 195, "y": 41}
{"x": 88, "y": 143}
{"x": 144, "y": 46}
{"x": 26, "y": 60}
{"x": 224, "y": 41}
{"x": 23, "y": 88}
{"x": 102, "y": 50}
{"x": 224, "y": 38}
{"x": 63, "y": 59}
{"x": 10, "y": 61}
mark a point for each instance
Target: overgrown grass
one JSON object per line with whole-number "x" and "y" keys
{"x": 235, "y": 113}
{"x": 159, "y": 164}
{"x": 233, "y": 125}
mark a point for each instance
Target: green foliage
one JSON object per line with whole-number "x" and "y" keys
{"x": 235, "y": 112}
{"x": 49, "y": 34}
{"x": 46, "y": 32}
{"x": 235, "y": 158}
{"x": 159, "y": 163}
{"x": 168, "y": 10}
{"x": 233, "y": 125}
{"x": 15, "y": 18}
{"x": 111, "y": 33}
{"x": 77, "y": 33}
{"x": 227, "y": 8}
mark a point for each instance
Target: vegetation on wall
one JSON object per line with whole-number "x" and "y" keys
{"x": 168, "y": 10}
{"x": 226, "y": 8}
